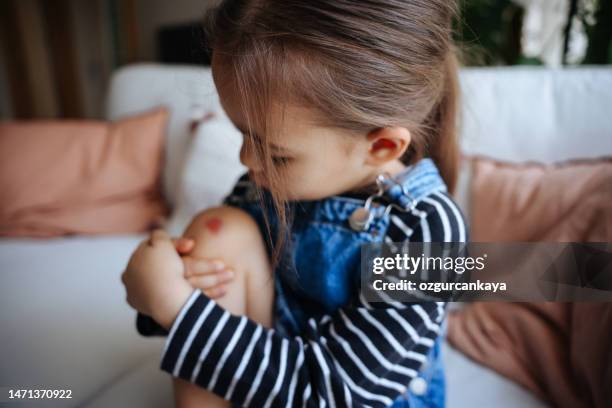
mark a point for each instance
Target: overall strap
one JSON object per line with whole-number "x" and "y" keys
{"x": 416, "y": 182}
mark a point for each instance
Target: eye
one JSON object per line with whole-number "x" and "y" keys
{"x": 280, "y": 160}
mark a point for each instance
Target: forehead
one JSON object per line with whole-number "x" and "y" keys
{"x": 290, "y": 126}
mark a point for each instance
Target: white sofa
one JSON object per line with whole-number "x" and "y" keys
{"x": 65, "y": 323}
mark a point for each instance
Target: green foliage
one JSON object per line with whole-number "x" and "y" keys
{"x": 488, "y": 32}
{"x": 599, "y": 33}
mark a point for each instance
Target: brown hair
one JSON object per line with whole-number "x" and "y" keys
{"x": 361, "y": 64}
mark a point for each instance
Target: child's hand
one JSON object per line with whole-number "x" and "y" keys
{"x": 154, "y": 279}
{"x": 211, "y": 276}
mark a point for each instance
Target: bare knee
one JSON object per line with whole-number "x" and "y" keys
{"x": 232, "y": 236}
{"x": 225, "y": 232}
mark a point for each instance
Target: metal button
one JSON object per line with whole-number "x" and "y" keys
{"x": 418, "y": 386}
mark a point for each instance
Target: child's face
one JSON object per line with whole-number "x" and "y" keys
{"x": 314, "y": 161}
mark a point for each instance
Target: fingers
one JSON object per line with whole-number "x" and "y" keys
{"x": 202, "y": 266}
{"x": 158, "y": 236}
{"x": 183, "y": 245}
{"x": 211, "y": 276}
{"x": 215, "y": 292}
{"x": 206, "y": 282}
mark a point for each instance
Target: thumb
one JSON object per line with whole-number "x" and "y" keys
{"x": 159, "y": 236}
{"x": 183, "y": 245}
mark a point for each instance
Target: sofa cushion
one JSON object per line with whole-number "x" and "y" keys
{"x": 565, "y": 202}
{"x": 81, "y": 177}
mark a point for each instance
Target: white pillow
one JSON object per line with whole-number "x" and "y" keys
{"x": 182, "y": 89}
{"x": 211, "y": 168}
{"x": 529, "y": 113}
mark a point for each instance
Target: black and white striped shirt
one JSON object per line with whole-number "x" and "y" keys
{"x": 363, "y": 355}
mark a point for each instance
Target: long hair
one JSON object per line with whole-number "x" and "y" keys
{"x": 360, "y": 64}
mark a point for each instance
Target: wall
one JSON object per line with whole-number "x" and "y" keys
{"x": 102, "y": 36}
{"x": 153, "y": 14}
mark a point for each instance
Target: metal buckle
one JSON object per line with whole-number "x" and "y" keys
{"x": 362, "y": 217}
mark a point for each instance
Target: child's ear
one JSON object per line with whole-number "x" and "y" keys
{"x": 387, "y": 144}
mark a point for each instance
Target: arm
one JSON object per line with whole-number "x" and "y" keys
{"x": 364, "y": 355}
{"x": 146, "y": 325}
{"x": 360, "y": 356}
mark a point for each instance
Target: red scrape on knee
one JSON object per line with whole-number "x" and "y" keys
{"x": 213, "y": 225}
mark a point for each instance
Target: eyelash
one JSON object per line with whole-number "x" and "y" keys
{"x": 276, "y": 160}
{"x": 280, "y": 161}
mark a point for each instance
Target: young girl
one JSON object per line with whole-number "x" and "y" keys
{"x": 329, "y": 95}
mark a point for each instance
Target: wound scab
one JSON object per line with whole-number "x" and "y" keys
{"x": 213, "y": 225}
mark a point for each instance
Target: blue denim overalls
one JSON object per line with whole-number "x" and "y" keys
{"x": 319, "y": 268}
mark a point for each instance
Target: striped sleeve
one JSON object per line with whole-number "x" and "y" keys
{"x": 437, "y": 219}
{"x": 362, "y": 356}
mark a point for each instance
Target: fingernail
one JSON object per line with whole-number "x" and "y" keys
{"x": 218, "y": 265}
{"x": 228, "y": 274}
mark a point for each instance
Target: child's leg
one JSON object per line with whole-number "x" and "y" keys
{"x": 232, "y": 236}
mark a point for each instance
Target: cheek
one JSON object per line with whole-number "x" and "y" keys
{"x": 317, "y": 180}
{"x": 297, "y": 181}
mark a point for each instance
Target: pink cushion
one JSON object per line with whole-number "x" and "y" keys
{"x": 559, "y": 350}
{"x": 81, "y": 177}
{"x": 568, "y": 202}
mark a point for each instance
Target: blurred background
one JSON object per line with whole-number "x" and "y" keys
{"x": 57, "y": 56}
{"x": 78, "y": 196}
